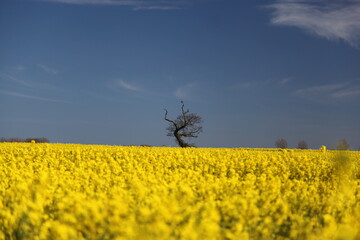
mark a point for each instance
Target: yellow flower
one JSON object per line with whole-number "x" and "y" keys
{"x": 71, "y": 191}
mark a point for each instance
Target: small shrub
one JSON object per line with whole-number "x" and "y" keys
{"x": 281, "y": 143}
{"x": 303, "y": 145}
{"x": 342, "y": 145}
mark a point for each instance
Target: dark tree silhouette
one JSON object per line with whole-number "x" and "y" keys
{"x": 13, "y": 139}
{"x": 303, "y": 145}
{"x": 38, "y": 140}
{"x": 342, "y": 145}
{"x": 281, "y": 143}
{"x": 186, "y": 125}
{"x": 21, "y": 140}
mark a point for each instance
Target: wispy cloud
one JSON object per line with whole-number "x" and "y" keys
{"x": 334, "y": 20}
{"x": 322, "y": 88}
{"x": 333, "y": 91}
{"x": 186, "y": 92}
{"x": 16, "y": 94}
{"x": 128, "y": 86}
{"x": 261, "y": 83}
{"x": 48, "y": 69}
{"x": 285, "y": 81}
{"x": 135, "y": 4}
{"x": 159, "y": 7}
{"x": 346, "y": 93}
{"x": 16, "y": 80}
{"x": 241, "y": 85}
{"x": 18, "y": 68}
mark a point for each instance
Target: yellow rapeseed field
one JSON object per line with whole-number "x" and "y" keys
{"x": 69, "y": 191}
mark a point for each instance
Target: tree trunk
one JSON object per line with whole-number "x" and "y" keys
{"x": 178, "y": 139}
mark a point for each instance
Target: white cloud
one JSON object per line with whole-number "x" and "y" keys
{"x": 19, "y": 68}
{"x": 331, "y": 91}
{"x": 136, "y": 4}
{"x": 48, "y": 69}
{"x": 128, "y": 86}
{"x": 285, "y": 81}
{"x": 185, "y": 92}
{"x": 321, "y": 88}
{"x": 346, "y": 93}
{"x": 242, "y": 85}
{"x": 15, "y": 94}
{"x": 157, "y": 7}
{"x": 258, "y": 83}
{"x": 334, "y": 20}
{"x": 16, "y": 80}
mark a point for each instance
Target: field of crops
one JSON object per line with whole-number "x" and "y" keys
{"x": 68, "y": 191}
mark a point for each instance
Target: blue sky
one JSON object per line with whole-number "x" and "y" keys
{"x": 102, "y": 71}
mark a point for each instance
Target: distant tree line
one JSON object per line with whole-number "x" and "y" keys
{"x": 24, "y": 140}
{"x": 282, "y": 143}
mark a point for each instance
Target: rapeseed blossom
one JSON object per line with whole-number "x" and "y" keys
{"x": 70, "y": 191}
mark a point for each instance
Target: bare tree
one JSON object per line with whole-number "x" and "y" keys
{"x": 281, "y": 143}
{"x": 303, "y": 145}
{"x": 184, "y": 126}
{"x": 342, "y": 145}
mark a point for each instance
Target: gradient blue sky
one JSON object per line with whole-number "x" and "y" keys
{"x": 102, "y": 71}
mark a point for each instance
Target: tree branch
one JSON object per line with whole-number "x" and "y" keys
{"x": 184, "y": 113}
{"x": 166, "y": 112}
